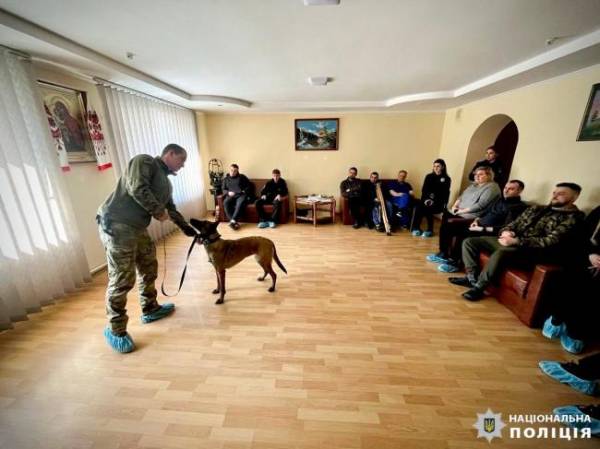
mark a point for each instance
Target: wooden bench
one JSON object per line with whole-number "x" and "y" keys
{"x": 525, "y": 292}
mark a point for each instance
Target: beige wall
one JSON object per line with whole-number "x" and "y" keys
{"x": 548, "y": 116}
{"x": 385, "y": 142}
{"x": 87, "y": 186}
{"x": 205, "y": 156}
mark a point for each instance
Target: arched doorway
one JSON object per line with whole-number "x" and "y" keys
{"x": 499, "y": 130}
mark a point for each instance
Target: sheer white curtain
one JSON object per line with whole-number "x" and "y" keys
{"x": 41, "y": 256}
{"x": 143, "y": 125}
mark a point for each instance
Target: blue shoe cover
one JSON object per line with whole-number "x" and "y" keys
{"x": 573, "y": 410}
{"x": 435, "y": 258}
{"x": 165, "y": 310}
{"x": 448, "y": 268}
{"x": 416, "y": 233}
{"x": 557, "y": 372}
{"x": 570, "y": 344}
{"x": 427, "y": 234}
{"x": 272, "y": 224}
{"x": 263, "y": 224}
{"x": 552, "y": 331}
{"x": 122, "y": 344}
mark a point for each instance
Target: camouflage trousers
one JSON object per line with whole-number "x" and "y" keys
{"x": 129, "y": 251}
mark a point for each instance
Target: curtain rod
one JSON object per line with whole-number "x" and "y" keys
{"x": 102, "y": 81}
{"x": 18, "y": 53}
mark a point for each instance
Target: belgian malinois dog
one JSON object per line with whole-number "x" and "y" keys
{"x": 225, "y": 254}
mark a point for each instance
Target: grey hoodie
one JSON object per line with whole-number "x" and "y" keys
{"x": 478, "y": 198}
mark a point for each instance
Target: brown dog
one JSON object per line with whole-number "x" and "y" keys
{"x": 225, "y": 254}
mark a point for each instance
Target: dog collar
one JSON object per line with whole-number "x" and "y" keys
{"x": 211, "y": 238}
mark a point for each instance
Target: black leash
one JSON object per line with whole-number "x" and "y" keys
{"x": 162, "y": 285}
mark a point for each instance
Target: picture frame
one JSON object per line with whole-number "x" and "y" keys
{"x": 590, "y": 124}
{"x": 316, "y": 134}
{"x": 68, "y": 108}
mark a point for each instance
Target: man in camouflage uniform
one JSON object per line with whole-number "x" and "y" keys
{"x": 144, "y": 191}
{"x": 540, "y": 233}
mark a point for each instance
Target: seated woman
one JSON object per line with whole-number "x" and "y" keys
{"x": 472, "y": 203}
{"x": 575, "y": 308}
{"x": 434, "y": 197}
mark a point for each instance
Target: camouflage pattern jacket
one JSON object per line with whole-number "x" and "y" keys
{"x": 144, "y": 191}
{"x": 545, "y": 226}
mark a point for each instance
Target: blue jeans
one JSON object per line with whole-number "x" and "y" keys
{"x": 376, "y": 214}
{"x": 400, "y": 204}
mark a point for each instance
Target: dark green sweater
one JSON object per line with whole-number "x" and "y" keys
{"x": 143, "y": 191}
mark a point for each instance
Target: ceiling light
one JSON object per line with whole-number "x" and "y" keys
{"x": 319, "y": 80}
{"x": 321, "y": 2}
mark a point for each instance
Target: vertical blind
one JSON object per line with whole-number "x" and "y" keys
{"x": 139, "y": 124}
{"x": 41, "y": 255}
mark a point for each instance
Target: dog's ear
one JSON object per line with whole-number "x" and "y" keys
{"x": 214, "y": 225}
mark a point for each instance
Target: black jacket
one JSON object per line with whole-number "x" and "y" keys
{"x": 499, "y": 175}
{"x": 437, "y": 189}
{"x": 353, "y": 185}
{"x": 591, "y": 236}
{"x": 272, "y": 188}
{"x": 502, "y": 212}
{"x": 237, "y": 184}
{"x": 369, "y": 190}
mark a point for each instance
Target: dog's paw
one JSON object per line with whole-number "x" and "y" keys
{"x": 219, "y": 301}
{"x": 271, "y": 289}
{"x": 260, "y": 278}
{"x": 216, "y": 291}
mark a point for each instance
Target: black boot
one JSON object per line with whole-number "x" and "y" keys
{"x": 474, "y": 294}
{"x": 463, "y": 281}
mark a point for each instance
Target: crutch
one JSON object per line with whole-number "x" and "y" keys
{"x": 384, "y": 216}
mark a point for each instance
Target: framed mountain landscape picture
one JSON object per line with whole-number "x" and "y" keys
{"x": 316, "y": 134}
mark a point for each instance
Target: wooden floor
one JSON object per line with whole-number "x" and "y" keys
{"x": 363, "y": 346}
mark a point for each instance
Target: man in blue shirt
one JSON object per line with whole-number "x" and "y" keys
{"x": 400, "y": 194}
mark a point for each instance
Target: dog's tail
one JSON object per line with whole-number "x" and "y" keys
{"x": 277, "y": 261}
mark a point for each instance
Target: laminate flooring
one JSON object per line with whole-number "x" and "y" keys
{"x": 364, "y": 345}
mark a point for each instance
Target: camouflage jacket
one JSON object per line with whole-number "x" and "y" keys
{"x": 144, "y": 191}
{"x": 544, "y": 226}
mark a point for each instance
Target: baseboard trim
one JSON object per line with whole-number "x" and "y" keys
{"x": 99, "y": 268}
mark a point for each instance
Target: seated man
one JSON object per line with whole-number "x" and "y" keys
{"x": 235, "y": 190}
{"x": 575, "y": 307}
{"x": 541, "y": 233}
{"x": 271, "y": 193}
{"x": 372, "y": 204}
{"x": 505, "y": 210}
{"x": 351, "y": 188}
{"x": 400, "y": 197}
{"x": 472, "y": 203}
{"x": 372, "y": 212}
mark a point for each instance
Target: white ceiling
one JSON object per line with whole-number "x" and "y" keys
{"x": 382, "y": 54}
